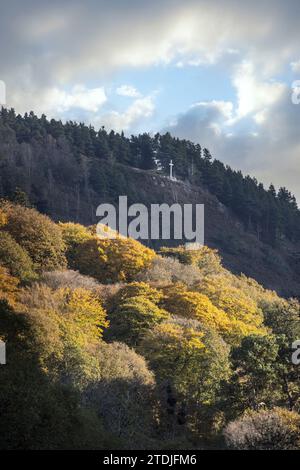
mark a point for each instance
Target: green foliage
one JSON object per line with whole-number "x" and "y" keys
{"x": 133, "y": 318}
{"x": 37, "y": 412}
{"x": 255, "y": 378}
{"x": 125, "y": 396}
{"x": 207, "y": 259}
{"x": 269, "y": 214}
{"x": 190, "y": 363}
{"x": 15, "y": 258}
{"x": 73, "y": 236}
{"x": 212, "y": 348}
{"x": 112, "y": 260}
{"x": 38, "y": 235}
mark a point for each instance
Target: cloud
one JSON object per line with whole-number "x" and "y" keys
{"x": 128, "y": 90}
{"x": 79, "y": 97}
{"x": 46, "y": 48}
{"x": 140, "y": 109}
{"x": 202, "y": 122}
{"x": 253, "y": 93}
{"x": 57, "y": 102}
{"x": 267, "y": 148}
{"x": 62, "y": 42}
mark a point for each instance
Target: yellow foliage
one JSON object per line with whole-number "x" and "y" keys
{"x": 3, "y": 218}
{"x": 8, "y": 286}
{"x": 138, "y": 289}
{"x": 85, "y": 310}
{"x": 227, "y": 311}
{"x": 192, "y": 360}
{"x": 235, "y": 302}
{"x": 37, "y": 234}
{"x": 67, "y": 325}
{"x": 113, "y": 260}
{"x": 169, "y": 345}
{"x": 179, "y": 301}
{"x": 74, "y": 234}
{"x": 207, "y": 259}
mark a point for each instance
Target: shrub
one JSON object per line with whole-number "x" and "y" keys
{"x": 73, "y": 235}
{"x": 3, "y": 218}
{"x": 133, "y": 317}
{"x": 137, "y": 289}
{"x": 164, "y": 270}
{"x": 111, "y": 261}
{"x": 70, "y": 279}
{"x": 15, "y": 258}
{"x": 207, "y": 259}
{"x": 67, "y": 326}
{"x": 8, "y": 286}
{"x": 276, "y": 429}
{"x": 38, "y": 235}
{"x": 125, "y": 396}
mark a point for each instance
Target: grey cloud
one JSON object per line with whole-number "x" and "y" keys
{"x": 45, "y": 44}
{"x": 272, "y": 154}
{"x": 62, "y": 41}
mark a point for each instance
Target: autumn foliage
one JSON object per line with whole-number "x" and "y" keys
{"x": 111, "y": 345}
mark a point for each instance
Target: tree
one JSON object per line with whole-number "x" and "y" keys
{"x": 255, "y": 379}
{"x": 112, "y": 260}
{"x": 20, "y": 197}
{"x": 125, "y": 396}
{"x": 73, "y": 235}
{"x": 276, "y": 429}
{"x": 8, "y": 286}
{"x": 15, "y": 258}
{"x": 243, "y": 313}
{"x": 38, "y": 235}
{"x": 38, "y": 412}
{"x": 133, "y": 317}
{"x": 68, "y": 325}
{"x": 283, "y": 317}
{"x": 193, "y": 305}
{"x": 190, "y": 361}
{"x": 206, "y": 259}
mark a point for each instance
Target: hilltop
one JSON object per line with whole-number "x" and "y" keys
{"x": 67, "y": 170}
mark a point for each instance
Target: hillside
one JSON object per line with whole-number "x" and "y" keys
{"x": 111, "y": 345}
{"x": 68, "y": 170}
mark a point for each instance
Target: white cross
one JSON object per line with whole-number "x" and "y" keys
{"x": 171, "y": 169}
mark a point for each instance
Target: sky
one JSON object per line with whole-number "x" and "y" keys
{"x": 220, "y": 73}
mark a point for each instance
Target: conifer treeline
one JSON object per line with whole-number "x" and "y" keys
{"x": 270, "y": 214}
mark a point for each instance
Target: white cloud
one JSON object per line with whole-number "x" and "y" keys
{"x": 140, "y": 109}
{"x": 79, "y": 97}
{"x": 254, "y": 94}
{"x": 49, "y": 48}
{"x": 74, "y": 41}
{"x": 128, "y": 90}
{"x": 270, "y": 151}
{"x": 56, "y": 102}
